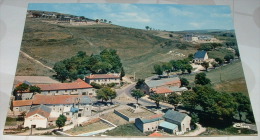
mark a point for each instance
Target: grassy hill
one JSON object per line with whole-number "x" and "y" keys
{"x": 138, "y": 49}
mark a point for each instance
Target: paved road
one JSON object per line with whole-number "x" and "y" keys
{"x": 126, "y": 92}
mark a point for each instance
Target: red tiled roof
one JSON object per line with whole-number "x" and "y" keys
{"x": 102, "y": 76}
{"x": 19, "y": 103}
{"x": 55, "y": 99}
{"x": 155, "y": 116}
{"x": 172, "y": 82}
{"x": 155, "y": 134}
{"x": 161, "y": 90}
{"x": 78, "y": 84}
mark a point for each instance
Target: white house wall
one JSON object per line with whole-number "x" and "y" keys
{"x": 36, "y": 119}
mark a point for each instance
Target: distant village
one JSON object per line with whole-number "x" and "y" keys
{"x": 64, "y": 19}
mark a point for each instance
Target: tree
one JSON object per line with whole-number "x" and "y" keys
{"x": 167, "y": 67}
{"x": 60, "y": 122}
{"x": 219, "y": 61}
{"x": 189, "y": 99}
{"x": 61, "y": 72}
{"x": 105, "y": 20}
{"x": 158, "y": 69}
{"x": 217, "y": 105}
{"x": 96, "y": 85}
{"x": 214, "y": 64}
{"x": 243, "y": 103}
{"x": 237, "y": 52}
{"x": 190, "y": 56}
{"x": 194, "y": 119}
{"x": 201, "y": 79}
{"x": 139, "y": 83}
{"x": 188, "y": 67}
{"x": 110, "y": 22}
{"x": 106, "y": 94}
{"x": 173, "y": 99}
{"x": 228, "y": 57}
{"x": 137, "y": 94}
{"x": 184, "y": 82}
{"x": 205, "y": 65}
{"x": 34, "y": 89}
{"x": 157, "y": 98}
{"x": 122, "y": 73}
{"x": 147, "y": 27}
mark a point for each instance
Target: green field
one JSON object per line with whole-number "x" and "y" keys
{"x": 228, "y": 78}
{"x": 138, "y": 49}
{"x": 125, "y": 130}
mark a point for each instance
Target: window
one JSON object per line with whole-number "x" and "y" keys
{"x": 65, "y": 90}
{"x": 148, "y": 129}
{"x": 84, "y": 93}
{"x": 57, "y": 91}
{"x": 49, "y": 91}
{"x": 90, "y": 94}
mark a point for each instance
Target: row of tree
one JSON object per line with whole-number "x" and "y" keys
{"x": 82, "y": 64}
{"x": 173, "y": 66}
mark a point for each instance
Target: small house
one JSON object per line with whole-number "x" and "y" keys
{"x": 200, "y": 57}
{"x": 37, "y": 117}
{"x": 180, "y": 119}
{"x": 148, "y": 124}
{"x": 19, "y": 106}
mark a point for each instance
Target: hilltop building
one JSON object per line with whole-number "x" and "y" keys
{"x": 103, "y": 79}
{"x": 200, "y": 57}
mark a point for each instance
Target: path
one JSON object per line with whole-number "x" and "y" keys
{"x": 197, "y": 131}
{"x": 34, "y": 60}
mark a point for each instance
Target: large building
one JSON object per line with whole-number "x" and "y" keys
{"x": 67, "y": 105}
{"x": 78, "y": 87}
{"x": 149, "y": 123}
{"x": 103, "y": 79}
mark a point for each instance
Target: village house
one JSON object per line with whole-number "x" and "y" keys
{"x": 37, "y": 117}
{"x": 78, "y": 87}
{"x": 150, "y": 87}
{"x": 20, "y": 106}
{"x": 103, "y": 79}
{"x": 168, "y": 127}
{"x": 200, "y": 57}
{"x": 180, "y": 119}
{"x": 148, "y": 124}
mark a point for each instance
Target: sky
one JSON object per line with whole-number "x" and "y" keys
{"x": 170, "y": 17}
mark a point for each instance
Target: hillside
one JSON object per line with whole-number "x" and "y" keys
{"x": 138, "y": 49}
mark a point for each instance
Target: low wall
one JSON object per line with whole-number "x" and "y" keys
{"x": 124, "y": 116}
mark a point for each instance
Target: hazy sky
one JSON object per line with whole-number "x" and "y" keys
{"x": 159, "y": 16}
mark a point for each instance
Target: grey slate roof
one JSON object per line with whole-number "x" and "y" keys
{"x": 199, "y": 54}
{"x": 41, "y": 107}
{"x": 151, "y": 120}
{"x": 155, "y": 83}
{"x": 85, "y": 100}
{"x": 168, "y": 125}
{"x": 174, "y": 115}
